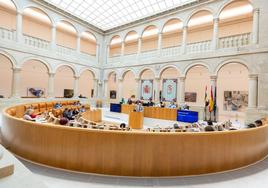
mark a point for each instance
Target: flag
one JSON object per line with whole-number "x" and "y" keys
{"x": 206, "y": 97}
{"x": 215, "y": 101}
{"x": 211, "y": 101}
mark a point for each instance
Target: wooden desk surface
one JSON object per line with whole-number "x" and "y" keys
{"x": 134, "y": 153}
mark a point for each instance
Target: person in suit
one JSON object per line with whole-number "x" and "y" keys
{"x": 150, "y": 103}
{"x": 139, "y": 107}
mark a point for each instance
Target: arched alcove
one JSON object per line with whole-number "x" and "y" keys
{"x": 172, "y": 33}
{"x": 131, "y": 43}
{"x": 115, "y": 46}
{"x": 129, "y": 85}
{"x": 7, "y": 14}
{"x": 88, "y": 43}
{"x": 6, "y": 76}
{"x": 86, "y": 84}
{"x": 66, "y": 34}
{"x": 149, "y": 38}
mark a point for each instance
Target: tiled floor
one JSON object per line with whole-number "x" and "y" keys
{"x": 250, "y": 177}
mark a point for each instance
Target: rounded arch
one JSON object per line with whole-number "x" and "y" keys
{"x": 64, "y": 21}
{"x": 141, "y": 71}
{"x": 115, "y": 37}
{"x": 239, "y": 61}
{"x": 131, "y": 32}
{"x": 68, "y": 65}
{"x": 87, "y": 69}
{"x": 89, "y": 35}
{"x": 86, "y": 83}
{"x": 10, "y": 57}
{"x": 109, "y": 73}
{"x": 200, "y": 12}
{"x": 14, "y": 3}
{"x": 150, "y": 27}
{"x": 168, "y": 67}
{"x": 172, "y": 20}
{"x": 41, "y": 10}
{"x": 226, "y": 4}
{"x": 196, "y": 64}
{"x": 37, "y": 59}
{"x": 124, "y": 72}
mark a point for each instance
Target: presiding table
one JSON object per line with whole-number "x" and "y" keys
{"x": 132, "y": 153}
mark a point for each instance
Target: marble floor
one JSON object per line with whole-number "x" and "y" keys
{"x": 250, "y": 177}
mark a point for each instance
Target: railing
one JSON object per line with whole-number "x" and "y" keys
{"x": 114, "y": 59}
{"x": 6, "y": 34}
{"x": 62, "y": 50}
{"x": 148, "y": 54}
{"x": 171, "y": 51}
{"x": 36, "y": 42}
{"x": 87, "y": 56}
{"x": 199, "y": 47}
{"x": 235, "y": 41}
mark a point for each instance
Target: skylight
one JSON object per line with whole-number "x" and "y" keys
{"x": 107, "y": 14}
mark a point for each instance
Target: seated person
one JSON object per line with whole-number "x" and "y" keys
{"x": 28, "y": 115}
{"x": 122, "y": 101}
{"x": 129, "y": 101}
{"x": 176, "y": 126}
{"x": 63, "y": 121}
{"x": 57, "y": 105}
{"x": 150, "y": 103}
{"x": 258, "y": 123}
{"x": 77, "y": 103}
{"x": 82, "y": 109}
{"x": 172, "y": 105}
{"x": 75, "y": 112}
{"x": 81, "y": 96}
{"x": 139, "y": 107}
{"x": 162, "y": 105}
{"x": 185, "y": 107}
{"x": 69, "y": 115}
{"x": 122, "y": 125}
{"x": 209, "y": 128}
{"x": 65, "y": 112}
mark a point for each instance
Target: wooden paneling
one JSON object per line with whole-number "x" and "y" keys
{"x": 136, "y": 120}
{"x": 93, "y": 115}
{"x": 134, "y": 153}
{"x": 126, "y": 108}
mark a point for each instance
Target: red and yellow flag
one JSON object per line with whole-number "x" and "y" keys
{"x": 211, "y": 101}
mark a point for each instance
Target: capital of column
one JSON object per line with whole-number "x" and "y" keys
{"x": 137, "y": 79}
{"x": 216, "y": 20}
{"x": 51, "y": 74}
{"x": 19, "y": 12}
{"x": 185, "y": 27}
{"x": 213, "y": 77}
{"x": 253, "y": 76}
{"x": 157, "y": 79}
{"x": 76, "y": 77}
{"x": 182, "y": 78}
{"x": 256, "y": 10}
{"x": 120, "y": 80}
{"x": 16, "y": 70}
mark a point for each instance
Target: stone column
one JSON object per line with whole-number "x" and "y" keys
{"x": 182, "y": 90}
{"x": 159, "y": 45}
{"x": 97, "y": 52}
{"x": 19, "y": 27}
{"x": 184, "y": 39}
{"x": 213, "y": 83}
{"x": 76, "y": 86}
{"x": 215, "y": 34}
{"x": 123, "y": 48}
{"x": 253, "y": 91}
{"x": 138, "y": 91}
{"x": 156, "y": 89}
{"x": 15, "y": 93}
{"x": 96, "y": 82}
{"x": 108, "y": 52}
{"x": 120, "y": 87}
{"x": 50, "y": 93}
{"x": 139, "y": 45}
{"x": 255, "y": 30}
{"x": 78, "y": 43}
{"x": 53, "y": 37}
{"x": 105, "y": 85}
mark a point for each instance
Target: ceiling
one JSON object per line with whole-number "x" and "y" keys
{"x": 108, "y": 14}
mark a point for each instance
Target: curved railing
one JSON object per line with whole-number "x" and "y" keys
{"x": 133, "y": 153}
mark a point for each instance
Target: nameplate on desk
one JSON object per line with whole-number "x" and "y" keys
{"x": 187, "y": 116}
{"x": 114, "y": 107}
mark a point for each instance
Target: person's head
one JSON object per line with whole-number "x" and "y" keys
{"x": 258, "y": 123}
{"x": 29, "y": 111}
{"x": 176, "y": 126}
{"x": 210, "y": 122}
{"x": 83, "y": 106}
{"x": 209, "y": 128}
{"x": 251, "y": 125}
{"x": 122, "y": 125}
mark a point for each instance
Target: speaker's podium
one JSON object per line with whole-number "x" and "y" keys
{"x": 135, "y": 120}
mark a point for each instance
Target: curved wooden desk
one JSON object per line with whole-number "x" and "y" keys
{"x": 133, "y": 153}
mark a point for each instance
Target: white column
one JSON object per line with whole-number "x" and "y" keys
{"x": 213, "y": 82}
{"x": 182, "y": 90}
{"x": 96, "y": 82}
{"x": 253, "y": 91}
{"x": 108, "y": 52}
{"x": 78, "y": 43}
{"x": 139, "y": 45}
{"x": 184, "y": 39}
{"x": 50, "y": 93}
{"x": 97, "y": 52}
{"x": 120, "y": 91}
{"x": 159, "y": 45}
{"x": 53, "y": 37}
{"x": 255, "y": 30}
{"x": 156, "y": 89}
{"x": 215, "y": 33}
{"x": 178, "y": 91}
{"x": 19, "y": 27}
{"x": 123, "y": 48}
{"x": 76, "y": 89}
{"x": 138, "y": 91}
{"x": 15, "y": 93}
{"x": 105, "y": 85}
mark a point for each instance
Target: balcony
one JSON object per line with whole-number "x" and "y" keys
{"x": 43, "y": 47}
{"x": 198, "y": 48}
